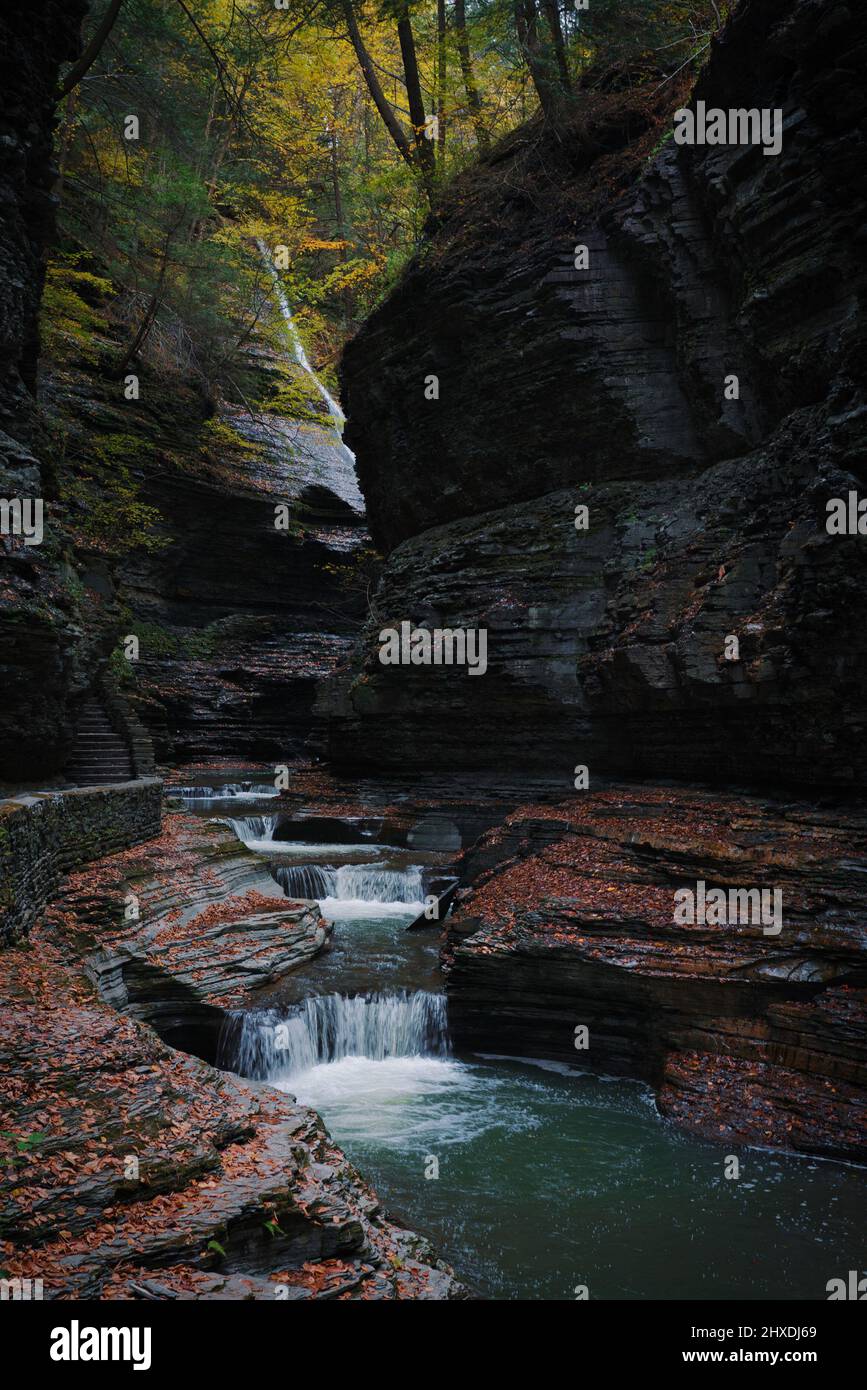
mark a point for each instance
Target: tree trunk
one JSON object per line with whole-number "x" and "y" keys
{"x": 552, "y": 15}
{"x": 335, "y": 184}
{"x": 92, "y": 52}
{"x": 380, "y": 100}
{"x": 424, "y": 148}
{"x": 548, "y": 89}
{"x": 442, "y": 73}
{"x": 473, "y": 99}
{"x": 147, "y": 323}
{"x": 67, "y": 137}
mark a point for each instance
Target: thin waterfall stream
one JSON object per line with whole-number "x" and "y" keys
{"x": 294, "y": 337}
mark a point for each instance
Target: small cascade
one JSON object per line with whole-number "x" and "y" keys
{"x": 243, "y": 791}
{"x": 269, "y": 1046}
{"x": 368, "y": 883}
{"x": 253, "y": 831}
{"x": 371, "y": 883}
{"x": 306, "y": 880}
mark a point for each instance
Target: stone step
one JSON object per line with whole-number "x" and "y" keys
{"x": 109, "y": 769}
{"x": 99, "y": 765}
{"x": 99, "y": 779}
{"x": 101, "y": 743}
{"x": 100, "y": 754}
{"x": 99, "y": 733}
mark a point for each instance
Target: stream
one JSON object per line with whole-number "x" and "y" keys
{"x": 530, "y": 1179}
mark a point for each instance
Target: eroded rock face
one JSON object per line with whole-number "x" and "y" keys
{"x": 36, "y": 40}
{"x": 179, "y": 929}
{"x": 605, "y": 388}
{"x": 745, "y": 1034}
{"x": 128, "y": 1166}
{"x": 152, "y": 1169}
{"x": 237, "y": 618}
{"x": 54, "y": 631}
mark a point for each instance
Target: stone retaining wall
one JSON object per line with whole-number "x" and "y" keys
{"x": 45, "y": 834}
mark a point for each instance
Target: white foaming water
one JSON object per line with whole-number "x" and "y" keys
{"x": 257, "y": 833}
{"x": 329, "y": 1027}
{"x": 354, "y": 890}
{"x": 231, "y": 791}
{"x": 365, "y": 907}
{"x": 308, "y": 851}
{"x": 399, "y": 1102}
{"x": 375, "y": 1061}
{"x": 254, "y": 831}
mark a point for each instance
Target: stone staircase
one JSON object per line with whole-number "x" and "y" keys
{"x": 100, "y": 754}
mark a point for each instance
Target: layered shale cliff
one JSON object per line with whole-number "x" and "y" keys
{"x": 235, "y": 616}
{"x": 157, "y": 516}
{"x": 610, "y": 388}
{"x": 54, "y": 631}
{"x": 749, "y": 1031}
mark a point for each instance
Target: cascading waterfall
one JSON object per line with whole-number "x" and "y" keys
{"x": 253, "y": 830}
{"x": 306, "y": 880}
{"x": 313, "y": 452}
{"x": 243, "y": 791}
{"x": 370, "y": 883}
{"x": 269, "y": 1046}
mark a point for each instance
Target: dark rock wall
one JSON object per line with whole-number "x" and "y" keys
{"x": 54, "y": 630}
{"x": 236, "y": 619}
{"x": 605, "y": 388}
{"x": 35, "y": 39}
{"x": 258, "y": 616}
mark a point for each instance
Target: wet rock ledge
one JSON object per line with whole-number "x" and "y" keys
{"x": 130, "y": 1170}
{"x": 746, "y": 1037}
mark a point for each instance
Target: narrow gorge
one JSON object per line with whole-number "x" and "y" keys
{"x": 433, "y": 835}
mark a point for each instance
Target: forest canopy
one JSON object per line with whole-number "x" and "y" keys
{"x": 191, "y": 132}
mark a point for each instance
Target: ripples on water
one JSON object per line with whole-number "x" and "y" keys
{"x": 547, "y": 1181}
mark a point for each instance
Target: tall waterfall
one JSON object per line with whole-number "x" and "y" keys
{"x": 370, "y": 883}
{"x": 273, "y": 1047}
{"x": 311, "y": 452}
{"x": 294, "y": 338}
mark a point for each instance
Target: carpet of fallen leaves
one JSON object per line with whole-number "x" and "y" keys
{"x": 129, "y": 1170}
